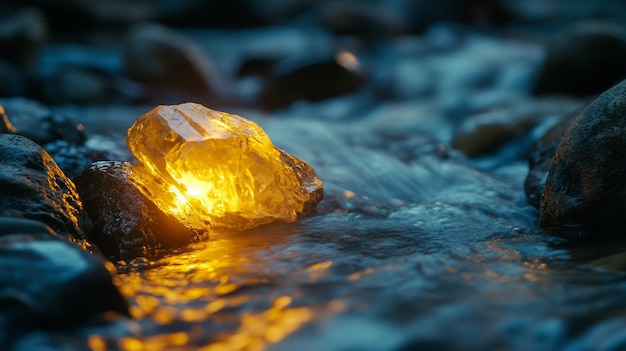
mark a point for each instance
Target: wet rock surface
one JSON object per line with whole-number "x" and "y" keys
{"x": 585, "y": 186}
{"x": 34, "y": 187}
{"x": 126, "y": 224}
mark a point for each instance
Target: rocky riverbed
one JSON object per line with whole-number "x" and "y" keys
{"x": 471, "y": 154}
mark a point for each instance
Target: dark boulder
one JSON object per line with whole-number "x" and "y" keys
{"x": 310, "y": 81}
{"x": 585, "y": 59}
{"x": 33, "y": 186}
{"x": 126, "y": 224}
{"x": 585, "y": 189}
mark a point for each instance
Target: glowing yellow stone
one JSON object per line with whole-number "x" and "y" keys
{"x": 214, "y": 169}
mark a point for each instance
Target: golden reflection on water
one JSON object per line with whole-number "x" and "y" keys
{"x": 258, "y": 330}
{"x": 208, "y": 284}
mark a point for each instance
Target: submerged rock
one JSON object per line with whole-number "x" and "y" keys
{"x": 125, "y": 223}
{"x": 33, "y": 186}
{"x": 214, "y": 169}
{"x": 483, "y": 133}
{"x": 586, "y": 184}
{"x": 585, "y": 59}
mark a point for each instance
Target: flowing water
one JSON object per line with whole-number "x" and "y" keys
{"x": 415, "y": 247}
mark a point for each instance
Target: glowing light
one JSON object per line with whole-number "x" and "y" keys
{"x": 347, "y": 59}
{"x": 320, "y": 266}
{"x": 187, "y": 288}
{"x": 214, "y": 169}
{"x": 96, "y": 343}
{"x": 4, "y": 119}
{"x": 131, "y": 344}
{"x": 260, "y": 330}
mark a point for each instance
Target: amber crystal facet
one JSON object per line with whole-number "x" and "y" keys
{"x": 214, "y": 169}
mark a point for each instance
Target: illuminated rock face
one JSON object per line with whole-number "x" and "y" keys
{"x": 214, "y": 169}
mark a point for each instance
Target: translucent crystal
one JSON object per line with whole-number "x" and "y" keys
{"x": 214, "y": 169}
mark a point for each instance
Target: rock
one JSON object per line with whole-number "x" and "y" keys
{"x": 214, "y": 169}
{"x": 315, "y": 81}
{"x": 485, "y": 132}
{"x": 584, "y": 59}
{"x": 38, "y": 123}
{"x": 541, "y": 158}
{"x": 32, "y": 186}
{"x": 161, "y": 57}
{"x": 51, "y": 283}
{"x": 125, "y": 223}
{"x": 21, "y": 35}
{"x": 586, "y": 185}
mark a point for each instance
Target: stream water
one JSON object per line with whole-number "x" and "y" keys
{"x": 415, "y": 247}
